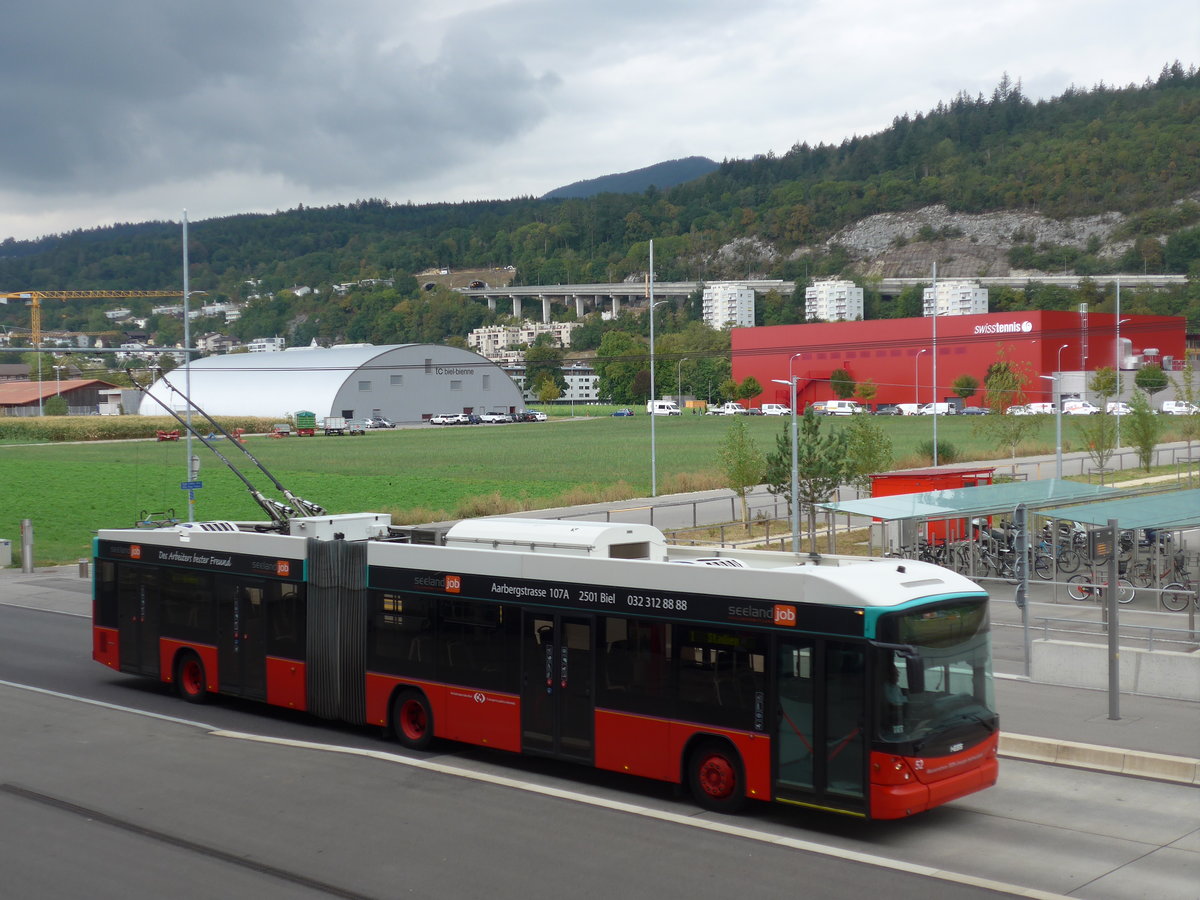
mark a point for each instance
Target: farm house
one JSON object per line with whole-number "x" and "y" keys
{"x": 401, "y": 382}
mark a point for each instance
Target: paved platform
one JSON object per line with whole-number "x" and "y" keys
{"x": 1153, "y": 738}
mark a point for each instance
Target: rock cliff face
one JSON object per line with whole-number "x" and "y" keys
{"x": 897, "y": 245}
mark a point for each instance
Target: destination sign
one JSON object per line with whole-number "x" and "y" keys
{"x": 623, "y": 601}
{"x": 185, "y": 557}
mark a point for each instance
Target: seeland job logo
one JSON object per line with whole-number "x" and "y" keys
{"x": 1005, "y": 328}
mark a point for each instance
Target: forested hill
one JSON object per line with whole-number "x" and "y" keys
{"x": 1133, "y": 150}
{"x": 661, "y": 175}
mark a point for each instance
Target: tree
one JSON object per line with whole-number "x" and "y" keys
{"x": 820, "y": 467}
{"x": 1098, "y": 434}
{"x": 778, "y": 474}
{"x": 1004, "y": 387}
{"x": 544, "y": 360}
{"x": 1144, "y": 427}
{"x": 842, "y": 384}
{"x": 964, "y": 386}
{"x": 619, "y": 359}
{"x": 546, "y": 390}
{"x": 1186, "y": 390}
{"x": 868, "y": 451}
{"x": 1151, "y": 379}
{"x": 865, "y": 391}
{"x": 1104, "y": 384}
{"x": 56, "y": 406}
{"x": 748, "y": 389}
{"x": 741, "y": 462}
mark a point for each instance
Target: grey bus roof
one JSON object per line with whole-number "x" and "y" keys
{"x": 964, "y": 501}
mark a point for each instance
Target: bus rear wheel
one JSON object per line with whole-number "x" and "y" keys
{"x": 190, "y": 679}
{"x": 412, "y": 720}
{"x": 716, "y": 777}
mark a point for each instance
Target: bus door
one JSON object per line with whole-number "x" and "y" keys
{"x": 138, "y": 614}
{"x": 557, "y": 698}
{"x": 820, "y": 733}
{"x": 241, "y": 639}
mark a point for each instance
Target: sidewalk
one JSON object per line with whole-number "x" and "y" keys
{"x": 1154, "y": 738}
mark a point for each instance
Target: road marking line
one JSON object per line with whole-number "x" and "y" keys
{"x": 661, "y": 815}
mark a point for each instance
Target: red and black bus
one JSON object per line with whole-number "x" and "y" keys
{"x": 861, "y": 687}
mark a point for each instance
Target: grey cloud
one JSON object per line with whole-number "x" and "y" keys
{"x": 138, "y": 93}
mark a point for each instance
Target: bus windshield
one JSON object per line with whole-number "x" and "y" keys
{"x": 940, "y": 683}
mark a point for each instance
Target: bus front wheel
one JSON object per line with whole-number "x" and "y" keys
{"x": 716, "y": 777}
{"x": 412, "y": 720}
{"x": 190, "y": 678}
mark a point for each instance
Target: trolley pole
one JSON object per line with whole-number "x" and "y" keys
{"x": 1020, "y": 520}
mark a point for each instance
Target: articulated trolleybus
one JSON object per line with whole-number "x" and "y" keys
{"x": 860, "y": 687}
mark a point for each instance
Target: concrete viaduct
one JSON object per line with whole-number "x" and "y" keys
{"x": 589, "y": 297}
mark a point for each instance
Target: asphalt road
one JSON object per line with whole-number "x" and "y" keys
{"x": 111, "y": 787}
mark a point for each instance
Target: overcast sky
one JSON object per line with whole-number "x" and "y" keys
{"x": 131, "y": 110}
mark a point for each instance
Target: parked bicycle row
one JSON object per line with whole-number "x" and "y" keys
{"x": 1145, "y": 559}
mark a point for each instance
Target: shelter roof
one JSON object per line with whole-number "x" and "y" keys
{"x": 976, "y": 500}
{"x": 1177, "y": 509}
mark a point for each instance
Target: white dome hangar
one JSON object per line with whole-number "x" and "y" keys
{"x": 401, "y": 382}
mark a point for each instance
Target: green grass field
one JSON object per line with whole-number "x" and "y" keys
{"x": 416, "y": 474}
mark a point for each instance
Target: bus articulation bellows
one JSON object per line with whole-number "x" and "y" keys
{"x": 862, "y": 687}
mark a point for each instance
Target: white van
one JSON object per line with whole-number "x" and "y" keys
{"x": 663, "y": 408}
{"x": 1040, "y": 409}
{"x": 1179, "y": 408}
{"x": 1079, "y": 408}
{"x": 909, "y": 409}
{"x": 943, "y": 409}
{"x": 837, "y": 407}
{"x": 776, "y": 409}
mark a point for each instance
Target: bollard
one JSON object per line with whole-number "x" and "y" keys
{"x": 83, "y": 568}
{"x": 26, "y": 546}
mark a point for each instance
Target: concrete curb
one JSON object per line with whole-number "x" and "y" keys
{"x": 1158, "y": 766}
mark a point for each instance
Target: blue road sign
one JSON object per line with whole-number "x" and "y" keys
{"x": 191, "y": 485}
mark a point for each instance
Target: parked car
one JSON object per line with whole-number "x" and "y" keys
{"x": 379, "y": 422}
{"x": 975, "y": 411}
{"x": 623, "y": 412}
{"x": 1117, "y": 409}
{"x": 754, "y": 411}
{"x": 530, "y": 415}
{"x": 776, "y": 409}
{"x": 888, "y": 409}
{"x": 908, "y": 409}
{"x": 1041, "y": 409}
{"x": 1019, "y": 410}
{"x": 495, "y": 418}
{"x": 1179, "y": 408}
{"x": 448, "y": 419}
{"x": 1079, "y": 408}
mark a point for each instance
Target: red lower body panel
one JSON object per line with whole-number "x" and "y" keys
{"x": 106, "y": 647}
{"x": 654, "y": 748}
{"x": 486, "y": 718}
{"x": 902, "y": 786}
{"x": 286, "y": 683}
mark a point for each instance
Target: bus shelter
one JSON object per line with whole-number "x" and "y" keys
{"x": 902, "y": 513}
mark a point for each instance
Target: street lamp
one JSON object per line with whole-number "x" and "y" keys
{"x": 1120, "y": 322}
{"x": 791, "y": 383}
{"x": 58, "y": 380}
{"x": 1058, "y": 472}
{"x": 650, "y": 405}
{"x": 917, "y": 377}
{"x": 679, "y": 380}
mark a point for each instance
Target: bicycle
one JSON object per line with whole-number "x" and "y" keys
{"x": 1175, "y": 596}
{"x": 1081, "y": 587}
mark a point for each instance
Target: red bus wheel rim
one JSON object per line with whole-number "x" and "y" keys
{"x": 717, "y": 776}
{"x": 412, "y": 720}
{"x": 193, "y": 683}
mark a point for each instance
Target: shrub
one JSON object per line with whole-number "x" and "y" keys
{"x": 946, "y": 452}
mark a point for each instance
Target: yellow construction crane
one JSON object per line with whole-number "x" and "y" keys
{"x": 35, "y": 298}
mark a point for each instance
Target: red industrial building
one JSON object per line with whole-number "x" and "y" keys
{"x": 897, "y": 354}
